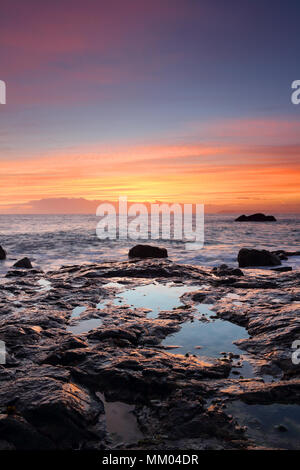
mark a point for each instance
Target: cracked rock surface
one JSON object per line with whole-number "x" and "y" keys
{"x": 50, "y": 383}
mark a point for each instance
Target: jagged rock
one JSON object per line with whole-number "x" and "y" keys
{"x": 258, "y": 392}
{"x": 115, "y": 333}
{"x": 137, "y": 374}
{"x": 147, "y": 251}
{"x": 49, "y": 382}
{"x": 256, "y": 218}
{"x": 251, "y": 257}
{"x": 23, "y": 263}
{"x": 2, "y": 253}
{"x": 60, "y": 412}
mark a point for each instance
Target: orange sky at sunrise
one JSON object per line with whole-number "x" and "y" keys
{"x": 175, "y": 101}
{"x": 221, "y": 177}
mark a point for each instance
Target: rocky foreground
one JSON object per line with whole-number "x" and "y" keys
{"x": 52, "y": 385}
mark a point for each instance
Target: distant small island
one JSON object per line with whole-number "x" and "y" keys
{"x": 256, "y": 218}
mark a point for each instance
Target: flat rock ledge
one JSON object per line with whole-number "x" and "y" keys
{"x": 53, "y": 379}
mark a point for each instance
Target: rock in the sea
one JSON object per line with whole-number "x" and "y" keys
{"x": 281, "y": 428}
{"x": 147, "y": 251}
{"x": 284, "y": 255}
{"x": 251, "y": 257}
{"x": 256, "y": 218}
{"x": 23, "y": 263}
{"x": 2, "y": 253}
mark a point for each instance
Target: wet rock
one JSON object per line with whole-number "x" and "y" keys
{"x": 142, "y": 374}
{"x": 53, "y": 373}
{"x": 251, "y": 257}
{"x": 283, "y": 269}
{"x": 61, "y": 413}
{"x": 180, "y": 418}
{"x": 147, "y": 251}
{"x": 20, "y": 435}
{"x": 16, "y": 273}
{"x": 24, "y": 263}
{"x": 253, "y": 391}
{"x": 282, "y": 254}
{"x": 224, "y": 270}
{"x": 255, "y": 284}
{"x": 2, "y": 253}
{"x": 256, "y": 218}
{"x": 281, "y": 428}
{"x": 198, "y": 296}
{"x": 114, "y": 333}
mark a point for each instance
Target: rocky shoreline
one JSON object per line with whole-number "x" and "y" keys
{"x": 55, "y": 381}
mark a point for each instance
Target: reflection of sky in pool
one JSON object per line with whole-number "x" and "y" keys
{"x": 121, "y": 423}
{"x": 44, "y": 285}
{"x": 77, "y": 311}
{"x": 83, "y": 326}
{"x": 262, "y": 420}
{"x": 213, "y": 337}
{"x": 156, "y": 297}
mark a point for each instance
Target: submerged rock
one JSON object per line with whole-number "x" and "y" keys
{"x": 23, "y": 263}
{"x": 251, "y": 257}
{"x": 256, "y": 218}
{"x": 147, "y": 251}
{"x": 2, "y": 253}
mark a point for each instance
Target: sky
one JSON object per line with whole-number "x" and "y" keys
{"x": 173, "y": 100}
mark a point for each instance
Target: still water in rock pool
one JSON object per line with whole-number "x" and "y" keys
{"x": 275, "y": 425}
{"x": 206, "y": 338}
{"x": 82, "y": 325}
{"x": 155, "y": 296}
{"x": 121, "y": 423}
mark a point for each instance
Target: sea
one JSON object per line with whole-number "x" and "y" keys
{"x": 52, "y": 241}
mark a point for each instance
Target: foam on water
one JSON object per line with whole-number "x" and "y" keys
{"x": 51, "y": 241}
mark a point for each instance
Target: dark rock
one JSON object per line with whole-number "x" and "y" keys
{"x": 61, "y": 412}
{"x": 281, "y": 428}
{"x": 251, "y": 257}
{"x": 113, "y": 333}
{"x": 258, "y": 392}
{"x": 17, "y": 431}
{"x": 15, "y": 273}
{"x": 198, "y": 296}
{"x": 282, "y": 254}
{"x": 256, "y": 218}
{"x": 283, "y": 269}
{"x": 23, "y": 263}
{"x": 224, "y": 270}
{"x": 147, "y": 251}
{"x": 50, "y": 381}
{"x": 2, "y": 253}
